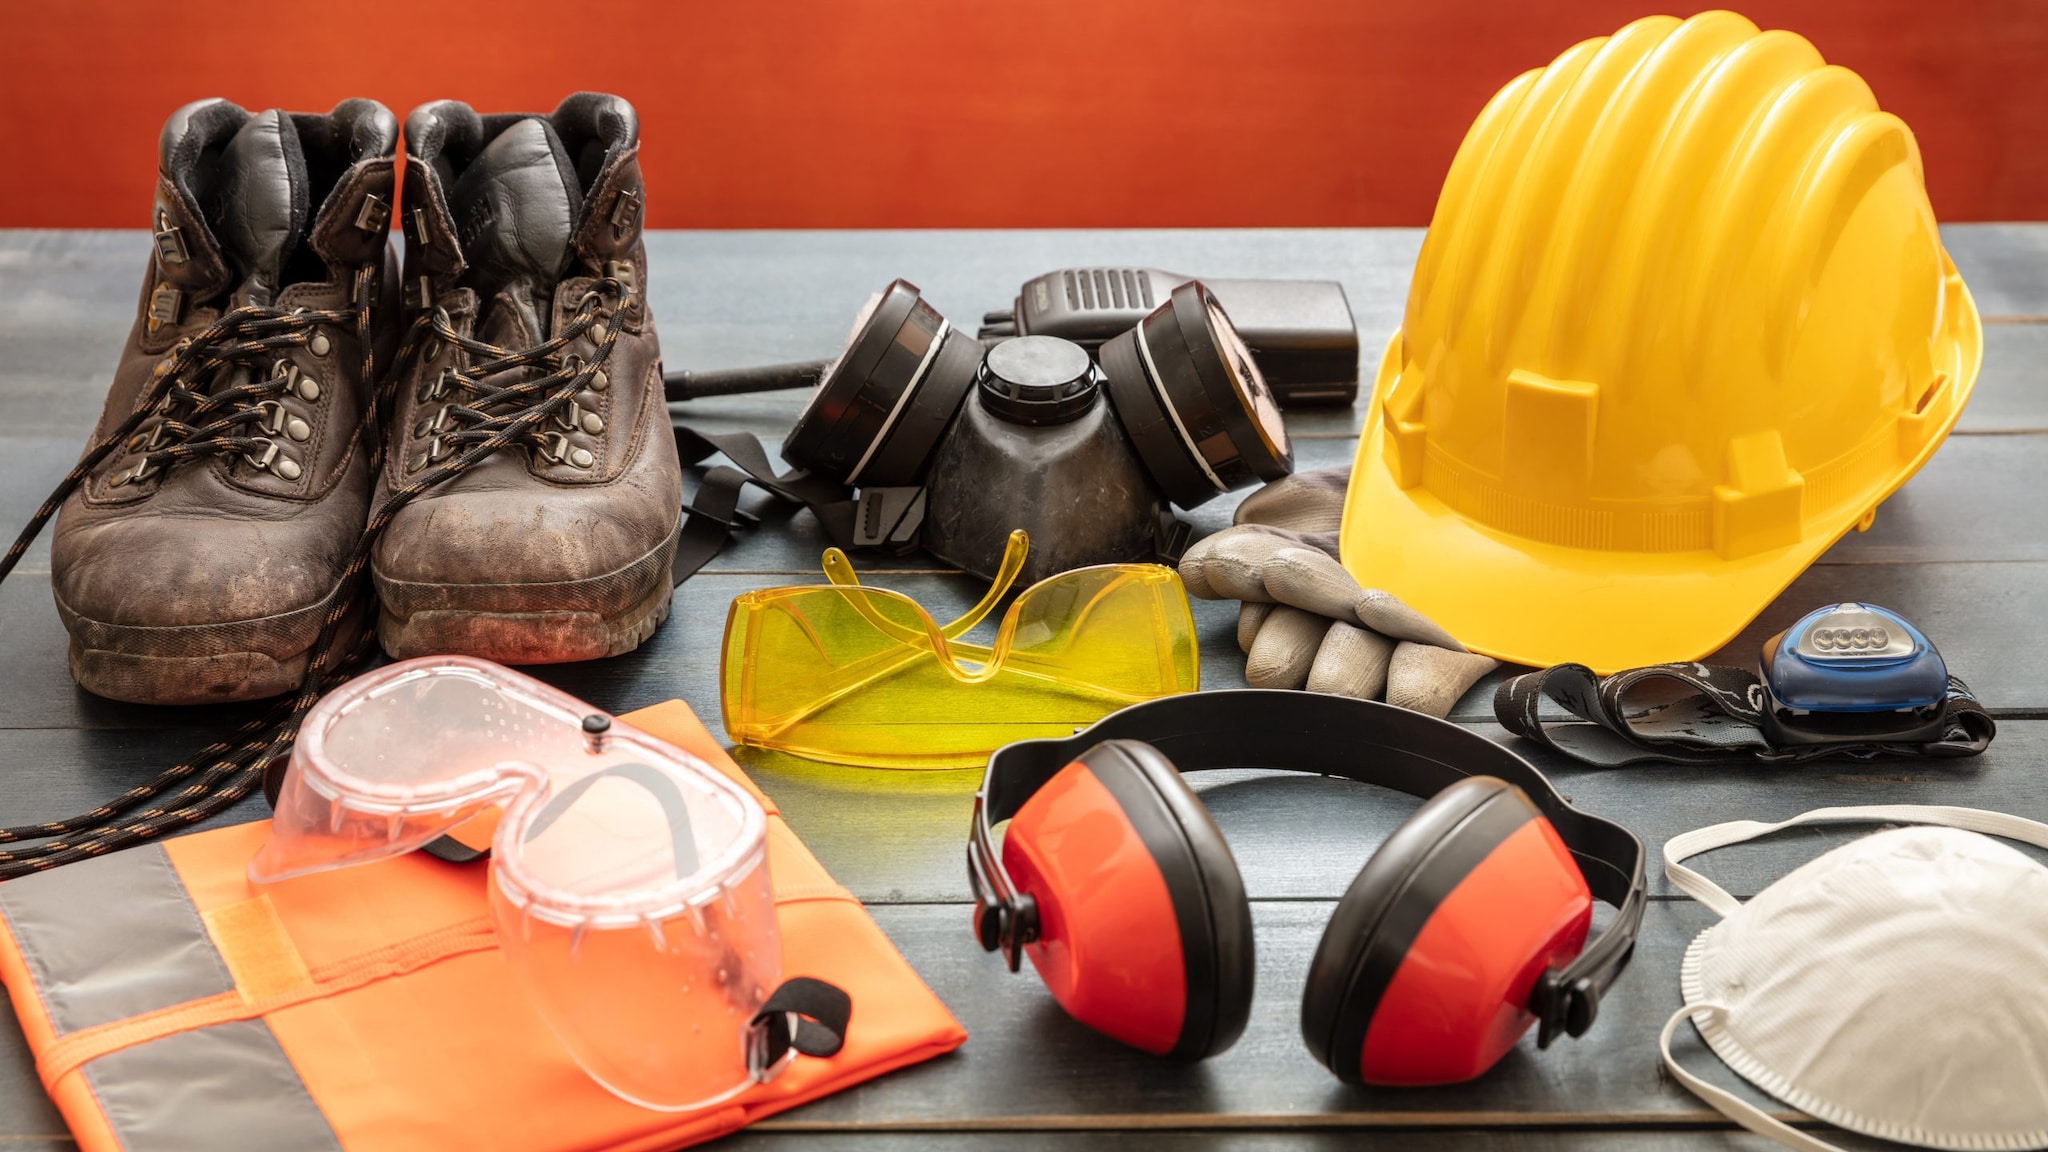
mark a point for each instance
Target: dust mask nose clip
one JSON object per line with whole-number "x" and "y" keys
{"x": 1893, "y": 986}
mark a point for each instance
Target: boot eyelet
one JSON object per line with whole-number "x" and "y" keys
{"x": 555, "y": 447}
{"x": 574, "y": 366}
{"x": 273, "y": 417}
{"x": 319, "y": 345}
{"x": 298, "y": 429}
{"x": 593, "y": 423}
{"x": 143, "y": 470}
{"x": 296, "y": 381}
{"x": 272, "y": 458}
{"x": 436, "y": 448}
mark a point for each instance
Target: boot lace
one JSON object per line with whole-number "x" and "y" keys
{"x": 491, "y": 394}
{"x": 238, "y": 411}
{"x": 213, "y": 422}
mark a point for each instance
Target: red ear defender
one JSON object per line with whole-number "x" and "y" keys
{"x": 1469, "y": 924}
{"x": 1143, "y": 930}
{"x": 1426, "y": 969}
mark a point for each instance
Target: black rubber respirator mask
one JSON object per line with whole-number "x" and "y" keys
{"x": 953, "y": 443}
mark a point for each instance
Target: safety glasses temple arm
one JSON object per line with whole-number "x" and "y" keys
{"x": 839, "y": 570}
{"x": 1014, "y": 552}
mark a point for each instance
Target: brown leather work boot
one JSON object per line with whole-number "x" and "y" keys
{"x": 524, "y": 271}
{"x": 196, "y": 563}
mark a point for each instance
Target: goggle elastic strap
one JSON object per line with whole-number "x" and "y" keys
{"x": 804, "y": 1015}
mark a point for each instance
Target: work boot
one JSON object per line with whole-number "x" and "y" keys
{"x": 525, "y": 274}
{"x": 196, "y": 563}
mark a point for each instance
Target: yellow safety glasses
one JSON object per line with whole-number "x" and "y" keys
{"x": 856, "y": 675}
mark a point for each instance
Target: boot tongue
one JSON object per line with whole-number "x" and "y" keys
{"x": 259, "y": 210}
{"x": 515, "y": 209}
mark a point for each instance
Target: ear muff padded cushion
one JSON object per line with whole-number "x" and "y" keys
{"x": 1207, "y": 890}
{"x": 1359, "y": 914}
{"x": 1230, "y": 911}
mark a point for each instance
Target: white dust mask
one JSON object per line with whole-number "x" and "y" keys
{"x": 1896, "y": 986}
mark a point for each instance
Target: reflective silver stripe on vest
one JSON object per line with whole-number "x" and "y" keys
{"x": 117, "y": 936}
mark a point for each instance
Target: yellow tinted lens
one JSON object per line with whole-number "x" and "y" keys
{"x": 860, "y": 675}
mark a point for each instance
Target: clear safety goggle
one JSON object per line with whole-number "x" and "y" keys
{"x": 856, "y": 675}
{"x": 628, "y": 879}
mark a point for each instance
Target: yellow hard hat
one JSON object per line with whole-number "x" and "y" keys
{"x": 1681, "y": 320}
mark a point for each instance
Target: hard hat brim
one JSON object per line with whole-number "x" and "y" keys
{"x": 1530, "y": 602}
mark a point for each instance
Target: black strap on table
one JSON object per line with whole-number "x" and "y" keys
{"x": 713, "y": 514}
{"x": 1308, "y": 732}
{"x": 806, "y": 1014}
{"x": 1694, "y": 714}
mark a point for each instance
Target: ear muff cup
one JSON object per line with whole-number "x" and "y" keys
{"x": 1480, "y": 877}
{"x": 1144, "y": 929}
{"x": 1217, "y": 1019}
{"x": 1365, "y": 903}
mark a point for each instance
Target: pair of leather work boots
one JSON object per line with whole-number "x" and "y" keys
{"x": 485, "y": 433}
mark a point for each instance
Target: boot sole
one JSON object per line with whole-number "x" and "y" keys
{"x": 543, "y": 634}
{"x": 125, "y": 663}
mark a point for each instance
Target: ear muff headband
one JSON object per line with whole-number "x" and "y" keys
{"x": 1358, "y": 740}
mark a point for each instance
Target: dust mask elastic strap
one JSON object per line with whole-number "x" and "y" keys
{"x": 1689, "y": 844}
{"x": 1728, "y": 1103}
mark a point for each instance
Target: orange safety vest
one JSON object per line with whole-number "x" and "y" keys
{"x": 172, "y": 1004}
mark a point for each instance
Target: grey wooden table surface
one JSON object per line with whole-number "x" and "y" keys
{"x": 1962, "y": 550}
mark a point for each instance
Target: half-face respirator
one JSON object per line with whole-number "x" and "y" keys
{"x": 954, "y": 445}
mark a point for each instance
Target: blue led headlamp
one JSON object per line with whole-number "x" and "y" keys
{"x": 1852, "y": 672}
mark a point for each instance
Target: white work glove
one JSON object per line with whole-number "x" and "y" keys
{"x": 1305, "y": 623}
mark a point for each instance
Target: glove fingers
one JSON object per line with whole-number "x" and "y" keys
{"x": 1385, "y": 614}
{"x": 1427, "y": 679}
{"x": 1351, "y": 662}
{"x": 1313, "y": 581}
{"x": 1250, "y": 615}
{"x": 1304, "y": 502}
{"x": 1285, "y": 648}
{"x": 1230, "y": 565}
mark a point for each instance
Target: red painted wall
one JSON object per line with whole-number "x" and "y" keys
{"x": 885, "y": 113}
